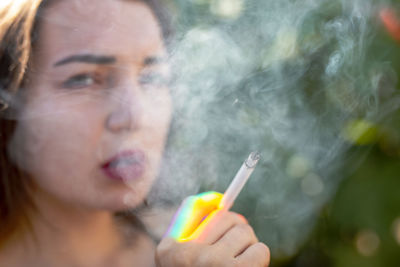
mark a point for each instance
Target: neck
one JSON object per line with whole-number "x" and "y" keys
{"x": 83, "y": 238}
{"x": 69, "y": 235}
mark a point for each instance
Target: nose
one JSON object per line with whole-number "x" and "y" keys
{"x": 126, "y": 110}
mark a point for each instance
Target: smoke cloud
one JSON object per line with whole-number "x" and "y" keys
{"x": 282, "y": 77}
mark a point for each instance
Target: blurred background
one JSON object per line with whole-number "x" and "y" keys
{"x": 312, "y": 85}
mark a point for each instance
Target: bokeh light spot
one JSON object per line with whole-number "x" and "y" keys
{"x": 284, "y": 48}
{"x": 298, "y": 166}
{"x": 360, "y": 132}
{"x": 312, "y": 185}
{"x": 227, "y": 8}
{"x": 367, "y": 242}
{"x": 396, "y": 230}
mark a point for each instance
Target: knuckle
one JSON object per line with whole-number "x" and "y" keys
{"x": 227, "y": 215}
{"x": 259, "y": 256}
{"x": 263, "y": 253}
{"x": 244, "y": 229}
{"x": 240, "y": 218}
{"x": 262, "y": 248}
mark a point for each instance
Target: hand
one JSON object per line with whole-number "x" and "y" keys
{"x": 227, "y": 240}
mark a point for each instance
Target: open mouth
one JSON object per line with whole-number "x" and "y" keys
{"x": 125, "y": 161}
{"x": 126, "y": 165}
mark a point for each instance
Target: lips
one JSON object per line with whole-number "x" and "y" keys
{"x": 126, "y": 165}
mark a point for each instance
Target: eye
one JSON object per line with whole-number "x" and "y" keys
{"x": 81, "y": 81}
{"x": 154, "y": 79}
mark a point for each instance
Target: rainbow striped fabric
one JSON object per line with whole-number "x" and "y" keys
{"x": 193, "y": 215}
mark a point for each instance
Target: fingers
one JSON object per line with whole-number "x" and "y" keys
{"x": 258, "y": 253}
{"x": 238, "y": 239}
{"x": 235, "y": 246}
{"x": 216, "y": 225}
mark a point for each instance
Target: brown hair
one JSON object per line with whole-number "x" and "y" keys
{"x": 16, "y": 27}
{"x": 19, "y": 21}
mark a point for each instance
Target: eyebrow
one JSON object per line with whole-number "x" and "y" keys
{"x": 154, "y": 60}
{"x": 96, "y": 59}
{"x": 86, "y": 58}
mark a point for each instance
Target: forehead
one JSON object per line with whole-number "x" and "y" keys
{"x": 106, "y": 26}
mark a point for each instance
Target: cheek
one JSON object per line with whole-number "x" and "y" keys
{"x": 50, "y": 143}
{"x": 159, "y": 118}
{"x": 159, "y": 111}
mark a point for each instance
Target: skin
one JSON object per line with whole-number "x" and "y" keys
{"x": 87, "y": 98}
{"x": 77, "y": 115}
{"x": 227, "y": 240}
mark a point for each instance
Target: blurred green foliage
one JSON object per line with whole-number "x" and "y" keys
{"x": 359, "y": 224}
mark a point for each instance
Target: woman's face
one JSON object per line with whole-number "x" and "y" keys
{"x": 96, "y": 109}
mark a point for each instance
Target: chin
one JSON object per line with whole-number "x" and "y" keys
{"x": 125, "y": 201}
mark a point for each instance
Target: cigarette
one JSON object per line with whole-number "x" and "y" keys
{"x": 239, "y": 181}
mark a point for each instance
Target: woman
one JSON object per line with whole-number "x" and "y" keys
{"x": 85, "y": 118}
